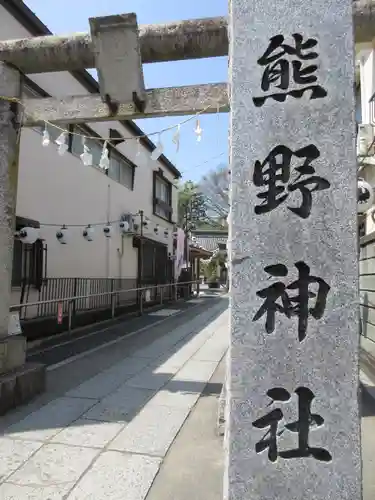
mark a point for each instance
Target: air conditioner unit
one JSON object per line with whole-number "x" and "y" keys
{"x": 365, "y": 138}
{"x": 127, "y": 223}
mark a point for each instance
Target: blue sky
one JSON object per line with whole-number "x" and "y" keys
{"x": 193, "y": 159}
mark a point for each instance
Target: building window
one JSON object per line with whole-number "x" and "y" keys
{"x": 53, "y": 132}
{"x": 95, "y": 146}
{"x": 120, "y": 169}
{"x": 28, "y": 262}
{"x": 162, "y": 196}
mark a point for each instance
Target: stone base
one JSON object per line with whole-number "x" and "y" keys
{"x": 20, "y": 385}
{"x": 12, "y": 352}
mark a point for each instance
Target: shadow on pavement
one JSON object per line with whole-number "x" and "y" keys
{"x": 121, "y": 402}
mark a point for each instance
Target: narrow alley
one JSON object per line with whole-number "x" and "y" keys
{"x": 134, "y": 417}
{"x": 111, "y": 432}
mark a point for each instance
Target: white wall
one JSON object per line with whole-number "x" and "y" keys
{"x": 57, "y": 189}
{"x": 54, "y": 189}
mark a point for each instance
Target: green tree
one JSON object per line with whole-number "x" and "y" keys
{"x": 186, "y": 192}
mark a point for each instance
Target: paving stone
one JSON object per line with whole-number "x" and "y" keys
{"x": 119, "y": 406}
{"x": 50, "y": 419}
{"x": 150, "y": 378}
{"x": 152, "y": 431}
{"x": 19, "y": 492}
{"x": 180, "y": 353}
{"x": 175, "y": 359}
{"x": 190, "y": 331}
{"x": 168, "y": 396}
{"x": 96, "y": 387}
{"x": 109, "y": 380}
{"x": 54, "y": 465}
{"x": 196, "y": 371}
{"x": 91, "y": 433}
{"x": 117, "y": 476}
{"x": 213, "y": 350}
{"x": 157, "y": 348}
{"x": 129, "y": 366}
{"x": 14, "y": 453}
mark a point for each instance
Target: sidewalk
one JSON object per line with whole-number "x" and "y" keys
{"x": 108, "y": 437}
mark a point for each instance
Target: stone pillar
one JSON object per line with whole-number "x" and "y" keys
{"x": 293, "y": 430}
{"x": 18, "y": 381}
{"x": 10, "y": 86}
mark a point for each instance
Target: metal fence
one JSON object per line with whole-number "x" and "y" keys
{"x": 95, "y": 293}
{"x": 72, "y": 296}
{"x": 367, "y": 285}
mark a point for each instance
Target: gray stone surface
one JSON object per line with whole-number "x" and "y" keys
{"x": 50, "y": 419}
{"x": 14, "y": 453}
{"x": 193, "y": 467}
{"x": 11, "y": 491}
{"x": 195, "y": 371}
{"x": 109, "y": 380}
{"x": 20, "y": 385}
{"x": 10, "y": 86}
{"x": 149, "y": 379}
{"x": 119, "y": 406}
{"x": 90, "y": 433}
{"x": 326, "y": 361}
{"x": 13, "y": 349}
{"x": 152, "y": 431}
{"x": 117, "y": 476}
{"x": 53, "y": 465}
{"x": 172, "y": 397}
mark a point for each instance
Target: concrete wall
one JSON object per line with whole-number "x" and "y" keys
{"x": 54, "y": 189}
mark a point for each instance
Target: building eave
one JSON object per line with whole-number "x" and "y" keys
{"x": 25, "y": 16}
{"x": 199, "y": 252}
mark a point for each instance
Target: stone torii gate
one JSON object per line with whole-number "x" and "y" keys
{"x": 267, "y": 364}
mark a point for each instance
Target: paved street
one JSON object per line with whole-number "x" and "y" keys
{"x": 136, "y": 418}
{"x": 110, "y": 434}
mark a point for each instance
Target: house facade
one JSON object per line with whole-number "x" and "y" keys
{"x": 57, "y": 192}
{"x": 365, "y": 114}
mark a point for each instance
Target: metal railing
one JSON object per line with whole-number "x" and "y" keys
{"x": 73, "y": 305}
{"x": 94, "y": 290}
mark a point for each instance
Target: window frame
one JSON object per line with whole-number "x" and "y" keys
{"x": 158, "y": 203}
{"x": 83, "y": 129}
{"x": 113, "y": 152}
{"x": 32, "y": 258}
{"x": 123, "y": 162}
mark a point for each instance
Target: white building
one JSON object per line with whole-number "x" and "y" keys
{"x": 365, "y": 68}
{"x": 54, "y": 190}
